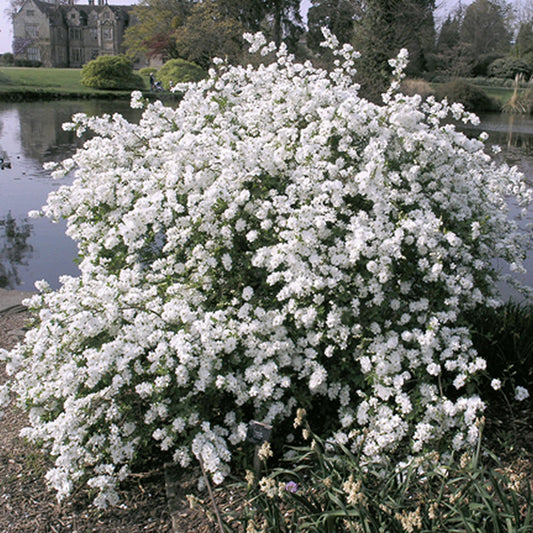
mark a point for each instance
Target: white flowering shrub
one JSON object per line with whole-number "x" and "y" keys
{"x": 275, "y": 241}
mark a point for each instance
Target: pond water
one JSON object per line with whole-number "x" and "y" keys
{"x": 31, "y": 134}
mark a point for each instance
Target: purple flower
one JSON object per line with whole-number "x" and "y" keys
{"x": 291, "y": 487}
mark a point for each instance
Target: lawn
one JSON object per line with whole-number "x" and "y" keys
{"x": 48, "y": 81}
{"x": 65, "y": 79}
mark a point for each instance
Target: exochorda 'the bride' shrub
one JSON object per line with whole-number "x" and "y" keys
{"x": 275, "y": 241}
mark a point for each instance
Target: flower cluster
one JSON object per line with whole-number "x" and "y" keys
{"x": 274, "y": 241}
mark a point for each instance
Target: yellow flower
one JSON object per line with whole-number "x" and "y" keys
{"x": 300, "y": 416}
{"x": 249, "y": 477}
{"x": 353, "y": 490}
{"x": 265, "y": 451}
{"x": 410, "y": 520}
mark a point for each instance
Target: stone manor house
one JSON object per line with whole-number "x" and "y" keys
{"x": 68, "y": 35}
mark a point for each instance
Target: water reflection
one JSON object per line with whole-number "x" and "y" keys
{"x": 31, "y": 133}
{"x": 514, "y": 134}
{"x": 42, "y": 134}
{"x": 15, "y": 250}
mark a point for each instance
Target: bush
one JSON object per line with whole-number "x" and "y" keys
{"x": 111, "y": 72}
{"x": 146, "y": 71}
{"x": 411, "y": 87}
{"x": 275, "y": 241}
{"x": 509, "y": 67}
{"x": 483, "y": 62}
{"x": 6, "y": 59}
{"x": 32, "y": 63}
{"x": 473, "y": 98}
{"x": 179, "y": 71}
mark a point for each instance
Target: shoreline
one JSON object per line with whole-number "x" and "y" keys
{"x": 11, "y": 301}
{"x": 35, "y": 95}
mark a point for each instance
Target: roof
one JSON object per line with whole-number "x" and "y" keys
{"x": 51, "y": 9}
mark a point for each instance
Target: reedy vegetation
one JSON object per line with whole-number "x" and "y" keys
{"x": 324, "y": 488}
{"x": 276, "y": 241}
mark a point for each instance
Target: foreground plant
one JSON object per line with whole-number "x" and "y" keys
{"x": 274, "y": 241}
{"x": 325, "y": 489}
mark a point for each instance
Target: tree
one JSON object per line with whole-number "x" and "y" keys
{"x": 154, "y": 28}
{"x": 250, "y": 13}
{"x": 524, "y": 39}
{"x": 485, "y": 28}
{"x": 283, "y": 21}
{"x": 451, "y": 55}
{"x": 449, "y": 34}
{"x": 382, "y": 28}
{"x": 208, "y": 32}
{"x": 336, "y": 15}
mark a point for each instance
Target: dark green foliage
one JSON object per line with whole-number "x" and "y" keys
{"x": 472, "y": 97}
{"x": 336, "y": 15}
{"x": 209, "y": 33}
{"x": 286, "y": 21}
{"x": 179, "y": 71}
{"x": 485, "y": 27}
{"x": 470, "y": 39}
{"x": 504, "y": 338}
{"x": 146, "y": 71}
{"x": 111, "y": 72}
{"x": 381, "y": 29}
{"x": 524, "y": 39}
{"x": 325, "y": 489}
{"x": 482, "y": 63}
{"x": 509, "y": 67}
{"x": 6, "y": 59}
{"x": 27, "y": 63}
{"x": 449, "y": 33}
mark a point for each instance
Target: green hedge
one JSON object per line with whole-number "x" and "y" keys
{"x": 111, "y": 72}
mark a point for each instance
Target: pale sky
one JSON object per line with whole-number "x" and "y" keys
{"x": 6, "y": 33}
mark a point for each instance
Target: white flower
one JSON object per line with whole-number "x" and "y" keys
{"x": 521, "y": 393}
{"x": 136, "y": 100}
{"x": 247, "y": 293}
{"x": 496, "y": 384}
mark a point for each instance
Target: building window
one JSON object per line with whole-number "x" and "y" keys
{"x": 107, "y": 34}
{"x": 75, "y": 34}
{"x": 93, "y": 33}
{"x": 32, "y": 30}
{"x": 94, "y": 53}
{"x": 34, "y": 54}
{"x": 75, "y": 55}
{"x": 30, "y": 13}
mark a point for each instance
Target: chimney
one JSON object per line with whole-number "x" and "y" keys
{"x": 91, "y": 2}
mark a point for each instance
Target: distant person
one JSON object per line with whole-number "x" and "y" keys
{"x": 152, "y": 81}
